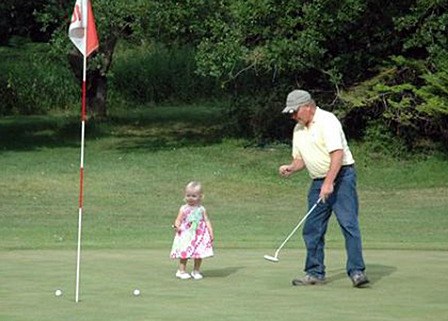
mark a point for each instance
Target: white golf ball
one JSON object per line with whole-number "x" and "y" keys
{"x": 136, "y": 292}
{"x": 58, "y": 292}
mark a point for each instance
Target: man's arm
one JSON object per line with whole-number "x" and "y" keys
{"x": 296, "y": 165}
{"x": 327, "y": 188}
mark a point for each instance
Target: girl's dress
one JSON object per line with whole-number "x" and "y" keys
{"x": 192, "y": 239}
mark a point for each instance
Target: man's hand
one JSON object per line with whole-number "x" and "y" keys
{"x": 325, "y": 191}
{"x": 285, "y": 170}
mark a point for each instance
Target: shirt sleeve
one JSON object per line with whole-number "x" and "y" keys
{"x": 295, "y": 149}
{"x": 332, "y": 133}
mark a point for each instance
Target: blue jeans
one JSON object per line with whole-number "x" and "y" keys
{"x": 344, "y": 203}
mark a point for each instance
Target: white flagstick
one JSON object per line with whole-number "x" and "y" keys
{"x": 81, "y": 180}
{"x": 81, "y": 184}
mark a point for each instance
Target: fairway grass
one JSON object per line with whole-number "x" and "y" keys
{"x": 137, "y": 164}
{"x": 238, "y": 285}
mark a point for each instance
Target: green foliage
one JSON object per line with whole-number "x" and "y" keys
{"x": 426, "y": 26}
{"x": 261, "y": 116}
{"x": 156, "y": 74}
{"x": 180, "y": 23}
{"x": 434, "y": 92}
{"x": 258, "y": 50}
{"x": 292, "y": 37}
{"x": 408, "y": 98}
{"x": 380, "y": 141}
{"x": 252, "y": 36}
{"x": 114, "y": 20}
{"x": 17, "y": 20}
{"x": 36, "y": 85}
{"x": 319, "y": 45}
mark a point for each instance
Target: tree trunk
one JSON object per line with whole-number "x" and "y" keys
{"x": 96, "y": 78}
{"x": 97, "y": 95}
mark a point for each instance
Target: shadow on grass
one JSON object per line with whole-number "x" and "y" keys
{"x": 222, "y": 273}
{"x": 148, "y": 129}
{"x": 24, "y": 133}
{"x": 375, "y": 272}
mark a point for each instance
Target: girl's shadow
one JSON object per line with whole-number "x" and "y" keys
{"x": 222, "y": 273}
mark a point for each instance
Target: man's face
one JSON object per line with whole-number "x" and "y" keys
{"x": 302, "y": 115}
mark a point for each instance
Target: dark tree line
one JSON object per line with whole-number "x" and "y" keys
{"x": 371, "y": 61}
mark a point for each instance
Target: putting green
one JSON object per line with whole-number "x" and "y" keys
{"x": 238, "y": 285}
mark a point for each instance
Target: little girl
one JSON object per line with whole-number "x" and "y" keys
{"x": 194, "y": 233}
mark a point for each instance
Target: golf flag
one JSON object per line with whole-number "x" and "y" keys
{"x": 82, "y": 20}
{"x": 82, "y": 32}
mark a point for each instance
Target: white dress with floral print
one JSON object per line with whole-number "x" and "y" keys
{"x": 192, "y": 239}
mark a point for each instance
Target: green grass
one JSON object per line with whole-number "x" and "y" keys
{"x": 136, "y": 166}
{"x": 239, "y": 285}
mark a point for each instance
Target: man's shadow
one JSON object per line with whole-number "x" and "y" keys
{"x": 375, "y": 272}
{"x": 222, "y": 273}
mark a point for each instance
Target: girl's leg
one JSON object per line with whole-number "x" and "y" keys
{"x": 182, "y": 265}
{"x": 197, "y": 264}
{"x": 181, "y": 273}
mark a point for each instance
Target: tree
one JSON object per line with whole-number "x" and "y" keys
{"x": 409, "y": 93}
{"x": 119, "y": 19}
{"x": 177, "y": 23}
{"x": 273, "y": 46}
{"x": 334, "y": 41}
{"x": 17, "y": 20}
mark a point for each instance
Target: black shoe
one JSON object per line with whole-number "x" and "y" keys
{"x": 359, "y": 279}
{"x": 308, "y": 280}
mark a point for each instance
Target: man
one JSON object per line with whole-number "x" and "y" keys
{"x": 320, "y": 146}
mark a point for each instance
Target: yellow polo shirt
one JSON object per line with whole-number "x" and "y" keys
{"x": 314, "y": 144}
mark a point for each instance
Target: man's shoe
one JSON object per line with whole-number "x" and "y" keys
{"x": 359, "y": 279}
{"x": 308, "y": 280}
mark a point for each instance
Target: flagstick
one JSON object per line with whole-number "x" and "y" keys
{"x": 81, "y": 172}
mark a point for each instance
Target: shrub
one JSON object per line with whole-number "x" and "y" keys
{"x": 408, "y": 97}
{"x": 36, "y": 85}
{"x": 257, "y": 115}
{"x": 156, "y": 74}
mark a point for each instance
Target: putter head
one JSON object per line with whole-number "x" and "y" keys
{"x": 271, "y": 258}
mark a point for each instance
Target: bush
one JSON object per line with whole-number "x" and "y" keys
{"x": 380, "y": 140}
{"x": 408, "y": 97}
{"x": 156, "y": 74}
{"x": 257, "y": 115}
{"x": 36, "y": 85}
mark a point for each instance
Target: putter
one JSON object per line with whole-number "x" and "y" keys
{"x": 275, "y": 257}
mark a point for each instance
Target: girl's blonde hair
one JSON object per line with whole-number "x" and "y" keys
{"x": 194, "y": 185}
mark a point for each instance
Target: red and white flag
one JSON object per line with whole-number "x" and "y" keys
{"x": 82, "y": 20}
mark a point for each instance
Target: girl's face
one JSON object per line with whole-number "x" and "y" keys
{"x": 193, "y": 196}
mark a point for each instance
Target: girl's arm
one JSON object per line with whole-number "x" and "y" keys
{"x": 209, "y": 225}
{"x": 178, "y": 220}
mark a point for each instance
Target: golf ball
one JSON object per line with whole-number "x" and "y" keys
{"x": 58, "y": 292}
{"x": 136, "y": 292}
